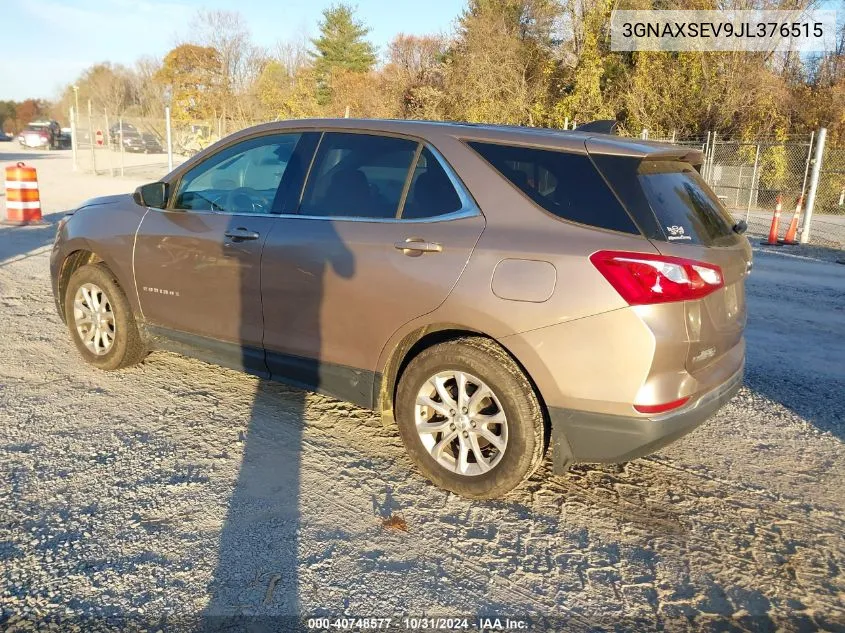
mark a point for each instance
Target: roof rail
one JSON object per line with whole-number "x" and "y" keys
{"x": 604, "y": 126}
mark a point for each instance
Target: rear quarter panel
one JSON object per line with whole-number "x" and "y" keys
{"x": 518, "y": 229}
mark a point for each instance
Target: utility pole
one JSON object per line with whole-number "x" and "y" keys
{"x": 73, "y": 140}
{"x": 814, "y": 185}
{"x": 92, "y": 139}
{"x": 169, "y": 139}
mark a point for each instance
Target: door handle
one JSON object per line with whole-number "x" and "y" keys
{"x": 241, "y": 234}
{"x": 415, "y": 246}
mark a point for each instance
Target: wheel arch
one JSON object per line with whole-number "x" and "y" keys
{"x": 421, "y": 339}
{"x": 70, "y": 264}
{"x": 78, "y": 250}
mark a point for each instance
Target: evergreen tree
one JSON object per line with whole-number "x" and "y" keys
{"x": 341, "y": 46}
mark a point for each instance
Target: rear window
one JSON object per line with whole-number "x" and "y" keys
{"x": 564, "y": 184}
{"x": 685, "y": 207}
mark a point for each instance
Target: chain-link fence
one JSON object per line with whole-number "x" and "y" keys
{"x": 828, "y": 224}
{"x": 142, "y": 147}
{"x": 194, "y": 135}
{"x": 120, "y": 145}
{"x": 749, "y": 177}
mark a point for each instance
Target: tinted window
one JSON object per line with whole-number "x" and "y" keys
{"x": 242, "y": 178}
{"x": 686, "y": 208}
{"x": 358, "y": 175}
{"x": 562, "y": 183}
{"x": 432, "y": 192}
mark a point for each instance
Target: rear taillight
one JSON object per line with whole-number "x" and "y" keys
{"x": 643, "y": 278}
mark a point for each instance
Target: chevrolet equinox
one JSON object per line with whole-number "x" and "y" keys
{"x": 490, "y": 290}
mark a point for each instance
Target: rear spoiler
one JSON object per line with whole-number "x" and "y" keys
{"x": 635, "y": 148}
{"x": 639, "y": 149}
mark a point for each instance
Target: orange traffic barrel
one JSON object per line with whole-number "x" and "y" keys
{"x": 23, "y": 203}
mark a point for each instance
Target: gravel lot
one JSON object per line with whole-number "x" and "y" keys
{"x": 181, "y": 490}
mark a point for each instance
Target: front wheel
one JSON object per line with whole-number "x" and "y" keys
{"x": 469, "y": 418}
{"x": 100, "y": 319}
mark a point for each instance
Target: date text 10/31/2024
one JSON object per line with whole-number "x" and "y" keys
{"x": 418, "y": 624}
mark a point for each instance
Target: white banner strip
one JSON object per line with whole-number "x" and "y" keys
{"x": 760, "y": 31}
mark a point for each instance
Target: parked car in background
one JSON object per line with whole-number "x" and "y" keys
{"x": 114, "y": 131}
{"x": 133, "y": 139}
{"x": 4, "y": 138}
{"x": 490, "y": 290}
{"x": 41, "y": 135}
{"x": 145, "y": 143}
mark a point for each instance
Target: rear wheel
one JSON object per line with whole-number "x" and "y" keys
{"x": 469, "y": 418}
{"x": 100, "y": 320}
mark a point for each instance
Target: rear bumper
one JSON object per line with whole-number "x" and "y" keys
{"x": 580, "y": 436}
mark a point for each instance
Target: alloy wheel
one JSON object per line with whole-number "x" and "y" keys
{"x": 94, "y": 318}
{"x": 461, "y": 423}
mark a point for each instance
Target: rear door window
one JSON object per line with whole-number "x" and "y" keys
{"x": 686, "y": 208}
{"x": 431, "y": 192}
{"x": 358, "y": 175}
{"x": 563, "y": 183}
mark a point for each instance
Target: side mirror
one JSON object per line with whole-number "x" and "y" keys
{"x": 153, "y": 195}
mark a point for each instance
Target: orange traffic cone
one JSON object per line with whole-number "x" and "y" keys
{"x": 23, "y": 203}
{"x": 789, "y": 238}
{"x": 773, "y": 230}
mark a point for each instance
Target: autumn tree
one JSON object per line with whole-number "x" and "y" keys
{"x": 498, "y": 67}
{"x": 29, "y": 110}
{"x": 288, "y": 93}
{"x": 362, "y": 93}
{"x": 413, "y": 75}
{"x": 192, "y": 75}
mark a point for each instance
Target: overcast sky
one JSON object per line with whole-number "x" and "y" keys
{"x": 45, "y": 44}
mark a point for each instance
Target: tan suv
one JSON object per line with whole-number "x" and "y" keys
{"x": 491, "y": 290}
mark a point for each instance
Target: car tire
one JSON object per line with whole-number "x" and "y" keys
{"x": 481, "y": 361}
{"x": 116, "y": 321}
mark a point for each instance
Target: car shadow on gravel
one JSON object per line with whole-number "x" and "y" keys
{"x": 27, "y": 240}
{"x": 255, "y": 586}
{"x": 823, "y": 408}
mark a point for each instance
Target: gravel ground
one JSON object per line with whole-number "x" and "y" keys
{"x": 181, "y": 490}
